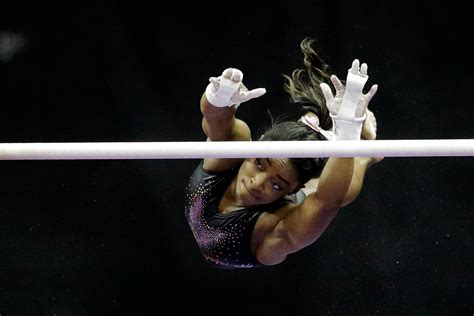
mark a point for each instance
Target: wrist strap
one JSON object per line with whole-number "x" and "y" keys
{"x": 354, "y": 86}
{"x": 347, "y": 130}
{"x": 221, "y": 98}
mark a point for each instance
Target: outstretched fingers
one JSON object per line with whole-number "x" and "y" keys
{"x": 373, "y": 90}
{"x": 358, "y": 69}
{"x": 252, "y": 94}
{"x": 258, "y": 92}
{"x": 355, "y": 67}
{"x": 327, "y": 91}
{"x": 329, "y": 97}
{"x": 337, "y": 84}
{"x": 363, "y": 69}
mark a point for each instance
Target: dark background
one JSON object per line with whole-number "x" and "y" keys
{"x": 109, "y": 237}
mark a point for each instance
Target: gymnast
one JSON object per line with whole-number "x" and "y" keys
{"x": 247, "y": 213}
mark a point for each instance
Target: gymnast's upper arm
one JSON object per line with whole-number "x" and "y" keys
{"x": 296, "y": 229}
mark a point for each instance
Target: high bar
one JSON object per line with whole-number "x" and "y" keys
{"x": 237, "y": 149}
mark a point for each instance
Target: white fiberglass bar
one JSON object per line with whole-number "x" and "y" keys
{"x": 240, "y": 149}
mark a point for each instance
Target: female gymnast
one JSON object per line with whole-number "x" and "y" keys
{"x": 247, "y": 213}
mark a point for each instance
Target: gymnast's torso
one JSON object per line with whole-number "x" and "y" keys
{"x": 227, "y": 238}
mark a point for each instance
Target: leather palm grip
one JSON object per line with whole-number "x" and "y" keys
{"x": 222, "y": 96}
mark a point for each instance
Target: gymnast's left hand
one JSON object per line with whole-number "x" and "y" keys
{"x": 355, "y": 76}
{"x": 369, "y": 128}
{"x": 369, "y": 132}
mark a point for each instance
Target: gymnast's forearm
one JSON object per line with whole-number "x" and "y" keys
{"x": 361, "y": 164}
{"x": 218, "y": 123}
{"x": 334, "y": 182}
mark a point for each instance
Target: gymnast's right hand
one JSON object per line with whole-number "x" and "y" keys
{"x": 228, "y": 89}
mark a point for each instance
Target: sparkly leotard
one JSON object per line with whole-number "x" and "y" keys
{"x": 224, "y": 239}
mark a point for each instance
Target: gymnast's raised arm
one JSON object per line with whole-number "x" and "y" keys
{"x": 304, "y": 224}
{"x": 218, "y": 105}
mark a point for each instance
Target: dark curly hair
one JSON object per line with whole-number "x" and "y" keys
{"x": 304, "y": 88}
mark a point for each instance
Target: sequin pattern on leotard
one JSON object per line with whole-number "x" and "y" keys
{"x": 224, "y": 239}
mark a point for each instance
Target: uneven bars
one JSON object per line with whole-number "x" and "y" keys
{"x": 236, "y": 149}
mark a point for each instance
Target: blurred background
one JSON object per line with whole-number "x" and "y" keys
{"x": 109, "y": 237}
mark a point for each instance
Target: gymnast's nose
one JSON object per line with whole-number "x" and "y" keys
{"x": 257, "y": 182}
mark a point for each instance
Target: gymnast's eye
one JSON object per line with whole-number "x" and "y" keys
{"x": 276, "y": 186}
{"x": 259, "y": 163}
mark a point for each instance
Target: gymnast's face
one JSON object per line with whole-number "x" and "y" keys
{"x": 265, "y": 180}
